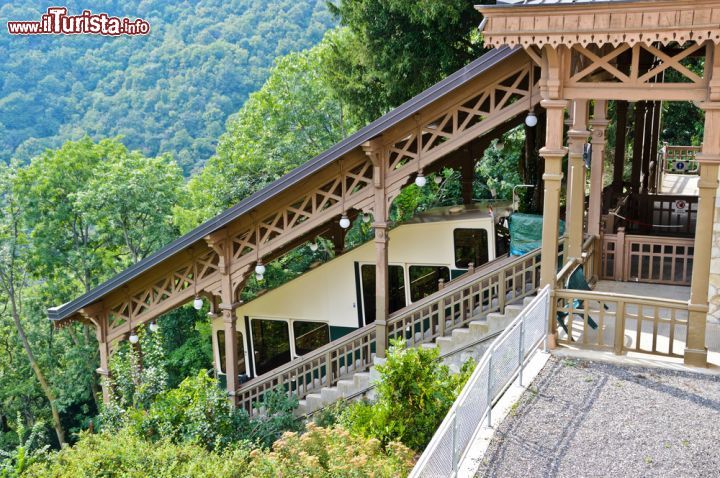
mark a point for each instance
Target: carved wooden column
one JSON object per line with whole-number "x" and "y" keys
{"x": 231, "y": 350}
{"x": 695, "y": 351}
{"x": 553, "y": 152}
{"x": 222, "y": 244}
{"x": 380, "y": 214}
{"x": 599, "y": 124}
{"x": 577, "y": 137}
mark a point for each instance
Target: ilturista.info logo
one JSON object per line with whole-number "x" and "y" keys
{"x": 57, "y": 22}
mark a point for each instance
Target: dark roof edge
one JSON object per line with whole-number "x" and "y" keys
{"x": 407, "y": 109}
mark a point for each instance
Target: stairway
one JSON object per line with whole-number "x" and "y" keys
{"x": 455, "y": 349}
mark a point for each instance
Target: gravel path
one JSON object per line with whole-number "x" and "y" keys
{"x": 591, "y": 419}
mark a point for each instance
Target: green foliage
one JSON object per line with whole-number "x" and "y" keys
{"x": 400, "y": 48}
{"x": 292, "y": 118}
{"x": 187, "y": 343}
{"x": 683, "y": 123}
{"x": 170, "y": 91}
{"x": 319, "y": 453}
{"x": 414, "y": 394}
{"x": 28, "y": 451}
{"x": 197, "y": 411}
{"x": 124, "y": 454}
{"x": 276, "y": 418}
{"x": 330, "y": 452}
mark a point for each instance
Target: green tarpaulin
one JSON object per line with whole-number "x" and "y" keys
{"x": 526, "y": 232}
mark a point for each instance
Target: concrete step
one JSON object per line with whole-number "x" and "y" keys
{"x": 329, "y": 394}
{"x": 479, "y": 327}
{"x": 512, "y": 311}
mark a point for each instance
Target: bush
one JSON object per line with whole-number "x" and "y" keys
{"x": 197, "y": 411}
{"x": 29, "y": 450}
{"x": 128, "y": 455}
{"x": 277, "y": 418}
{"x": 330, "y": 452}
{"x": 414, "y": 394}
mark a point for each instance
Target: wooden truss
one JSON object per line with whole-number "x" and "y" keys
{"x": 643, "y": 70}
{"x": 221, "y": 267}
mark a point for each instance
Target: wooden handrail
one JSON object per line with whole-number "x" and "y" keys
{"x": 635, "y": 299}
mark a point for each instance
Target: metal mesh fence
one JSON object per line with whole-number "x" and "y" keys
{"x": 494, "y": 373}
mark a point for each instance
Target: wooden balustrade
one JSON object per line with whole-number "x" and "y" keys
{"x": 623, "y": 322}
{"x": 472, "y": 296}
{"x": 660, "y": 260}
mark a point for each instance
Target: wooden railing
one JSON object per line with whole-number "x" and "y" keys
{"x": 659, "y": 260}
{"x": 623, "y": 322}
{"x": 467, "y": 298}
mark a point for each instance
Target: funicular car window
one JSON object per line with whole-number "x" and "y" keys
{"x": 471, "y": 245}
{"x": 310, "y": 336}
{"x": 240, "y": 350}
{"x": 271, "y": 344}
{"x": 424, "y": 280}
{"x": 396, "y": 284}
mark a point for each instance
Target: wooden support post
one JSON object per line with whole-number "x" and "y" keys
{"x": 599, "y": 124}
{"x": 468, "y": 176}
{"x": 231, "y": 351}
{"x": 647, "y": 145}
{"x": 382, "y": 290}
{"x": 621, "y": 110}
{"x": 655, "y": 173}
{"x": 101, "y": 331}
{"x": 378, "y": 156}
{"x": 553, "y": 152}
{"x": 695, "y": 351}
{"x": 637, "y": 146}
{"x": 575, "y": 212}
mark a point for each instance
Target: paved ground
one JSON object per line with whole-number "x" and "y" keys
{"x": 591, "y": 419}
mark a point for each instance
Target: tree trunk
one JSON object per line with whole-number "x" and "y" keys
{"x": 47, "y": 390}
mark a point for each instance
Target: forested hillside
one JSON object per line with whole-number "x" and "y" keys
{"x": 168, "y": 92}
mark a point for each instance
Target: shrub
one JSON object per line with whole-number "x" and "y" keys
{"x": 128, "y": 455}
{"x": 197, "y": 411}
{"x": 277, "y": 417}
{"x": 330, "y": 452}
{"x": 28, "y": 451}
{"x": 414, "y": 393}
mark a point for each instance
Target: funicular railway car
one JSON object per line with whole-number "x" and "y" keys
{"x": 337, "y": 297}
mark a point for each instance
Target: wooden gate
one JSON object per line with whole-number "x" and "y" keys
{"x": 655, "y": 259}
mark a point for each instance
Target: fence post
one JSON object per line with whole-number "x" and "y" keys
{"x": 489, "y": 390}
{"x": 521, "y": 350}
{"x": 441, "y": 317}
{"x": 619, "y": 328}
{"x": 454, "y": 443}
{"x": 328, "y": 370}
{"x": 502, "y": 292}
{"x": 620, "y": 255}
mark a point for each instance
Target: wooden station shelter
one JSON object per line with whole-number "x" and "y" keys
{"x": 570, "y": 60}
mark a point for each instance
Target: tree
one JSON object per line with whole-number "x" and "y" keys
{"x": 130, "y": 201}
{"x": 14, "y": 278}
{"x": 402, "y": 47}
{"x": 292, "y": 118}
